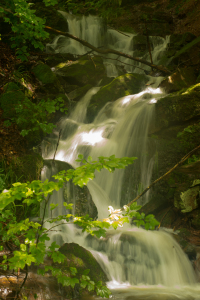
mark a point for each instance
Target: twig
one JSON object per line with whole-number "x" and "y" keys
{"x": 178, "y": 164}
{"x": 57, "y": 145}
{"x": 122, "y": 62}
{"x": 107, "y": 51}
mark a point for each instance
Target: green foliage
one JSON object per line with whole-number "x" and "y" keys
{"x": 27, "y": 27}
{"x": 192, "y": 159}
{"x": 28, "y": 238}
{"x": 33, "y": 117}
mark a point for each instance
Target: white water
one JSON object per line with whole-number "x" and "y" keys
{"x": 139, "y": 264}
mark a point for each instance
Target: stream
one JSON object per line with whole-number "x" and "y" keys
{"x": 139, "y": 264}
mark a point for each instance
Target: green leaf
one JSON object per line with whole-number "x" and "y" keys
{"x": 73, "y": 270}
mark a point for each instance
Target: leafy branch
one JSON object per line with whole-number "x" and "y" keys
{"x": 28, "y": 237}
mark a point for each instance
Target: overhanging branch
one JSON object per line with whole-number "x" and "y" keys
{"x": 107, "y": 51}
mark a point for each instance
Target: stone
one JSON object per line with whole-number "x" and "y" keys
{"x": 182, "y": 78}
{"x": 124, "y": 85}
{"x": 49, "y": 83}
{"x": 82, "y": 259}
{"x": 80, "y": 197}
{"x": 44, "y": 74}
{"x": 178, "y": 107}
{"x": 80, "y": 92}
{"x": 83, "y": 71}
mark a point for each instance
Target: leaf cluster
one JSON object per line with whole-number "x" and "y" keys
{"x": 33, "y": 117}
{"x": 27, "y": 238}
{"x": 26, "y": 26}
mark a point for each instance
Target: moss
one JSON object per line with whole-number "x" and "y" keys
{"x": 82, "y": 259}
{"x": 83, "y": 71}
{"x": 121, "y": 86}
{"x": 44, "y": 74}
{"x": 78, "y": 93}
{"x": 178, "y": 107}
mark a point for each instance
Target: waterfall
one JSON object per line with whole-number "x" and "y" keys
{"x": 139, "y": 264}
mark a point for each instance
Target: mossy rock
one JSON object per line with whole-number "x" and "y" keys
{"x": 121, "y": 86}
{"x": 83, "y": 200}
{"x": 27, "y": 167}
{"x": 49, "y": 81}
{"x": 83, "y": 71}
{"x": 12, "y": 96}
{"x": 80, "y": 92}
{"x": 44, "y": 74}
{"x": 81, "y": 259}
{"x": 183, "y": 78}
{"x": 178, "y": 107}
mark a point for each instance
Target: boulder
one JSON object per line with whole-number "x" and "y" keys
{"x": 47, "y": 287}
{"x": 182, "y": 78}
{"x": 80, "y": 92}
{"x": 72, "y": 193}
{"x": 178, "y": 107}
{"x": 82, "y": 259}
{"x": 121, "y": 86}
{"x": 83, "y": 71}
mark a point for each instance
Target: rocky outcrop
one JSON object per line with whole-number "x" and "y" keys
{"x": 178, "y": 107}
{"x": 182, "y": 78}
{"x": 83, "y": 71}
{"x": 46, "y": 287}
{"x": 124, "y": 85}
{"x": 80, "y": 197}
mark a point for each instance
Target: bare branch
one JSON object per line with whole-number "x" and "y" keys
{"x": 172, "y": 169}
{"x": 106, "y": 51}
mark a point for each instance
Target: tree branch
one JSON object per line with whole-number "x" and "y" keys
{"x": 106, "y": 51}
{"x": 172, "y": 169}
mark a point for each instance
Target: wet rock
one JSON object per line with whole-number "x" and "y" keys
{"x": 80, "y": 92}
{"x": 83, "y": 71}
{"x": 80, "y": 197}
{"x": 183, "y": 78}
{"x": 48, "y": 80}
{"x": 178, "y": 107}
{"x": 82, "y": 259}
{"x": 121, "y": 86}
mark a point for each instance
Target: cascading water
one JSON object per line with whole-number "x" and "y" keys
{"x": 139, "y": 264}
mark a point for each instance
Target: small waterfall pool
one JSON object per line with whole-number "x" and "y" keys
{"x": 139, "y": 264}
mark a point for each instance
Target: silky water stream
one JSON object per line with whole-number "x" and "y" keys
{"x": 139, "y": 264}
